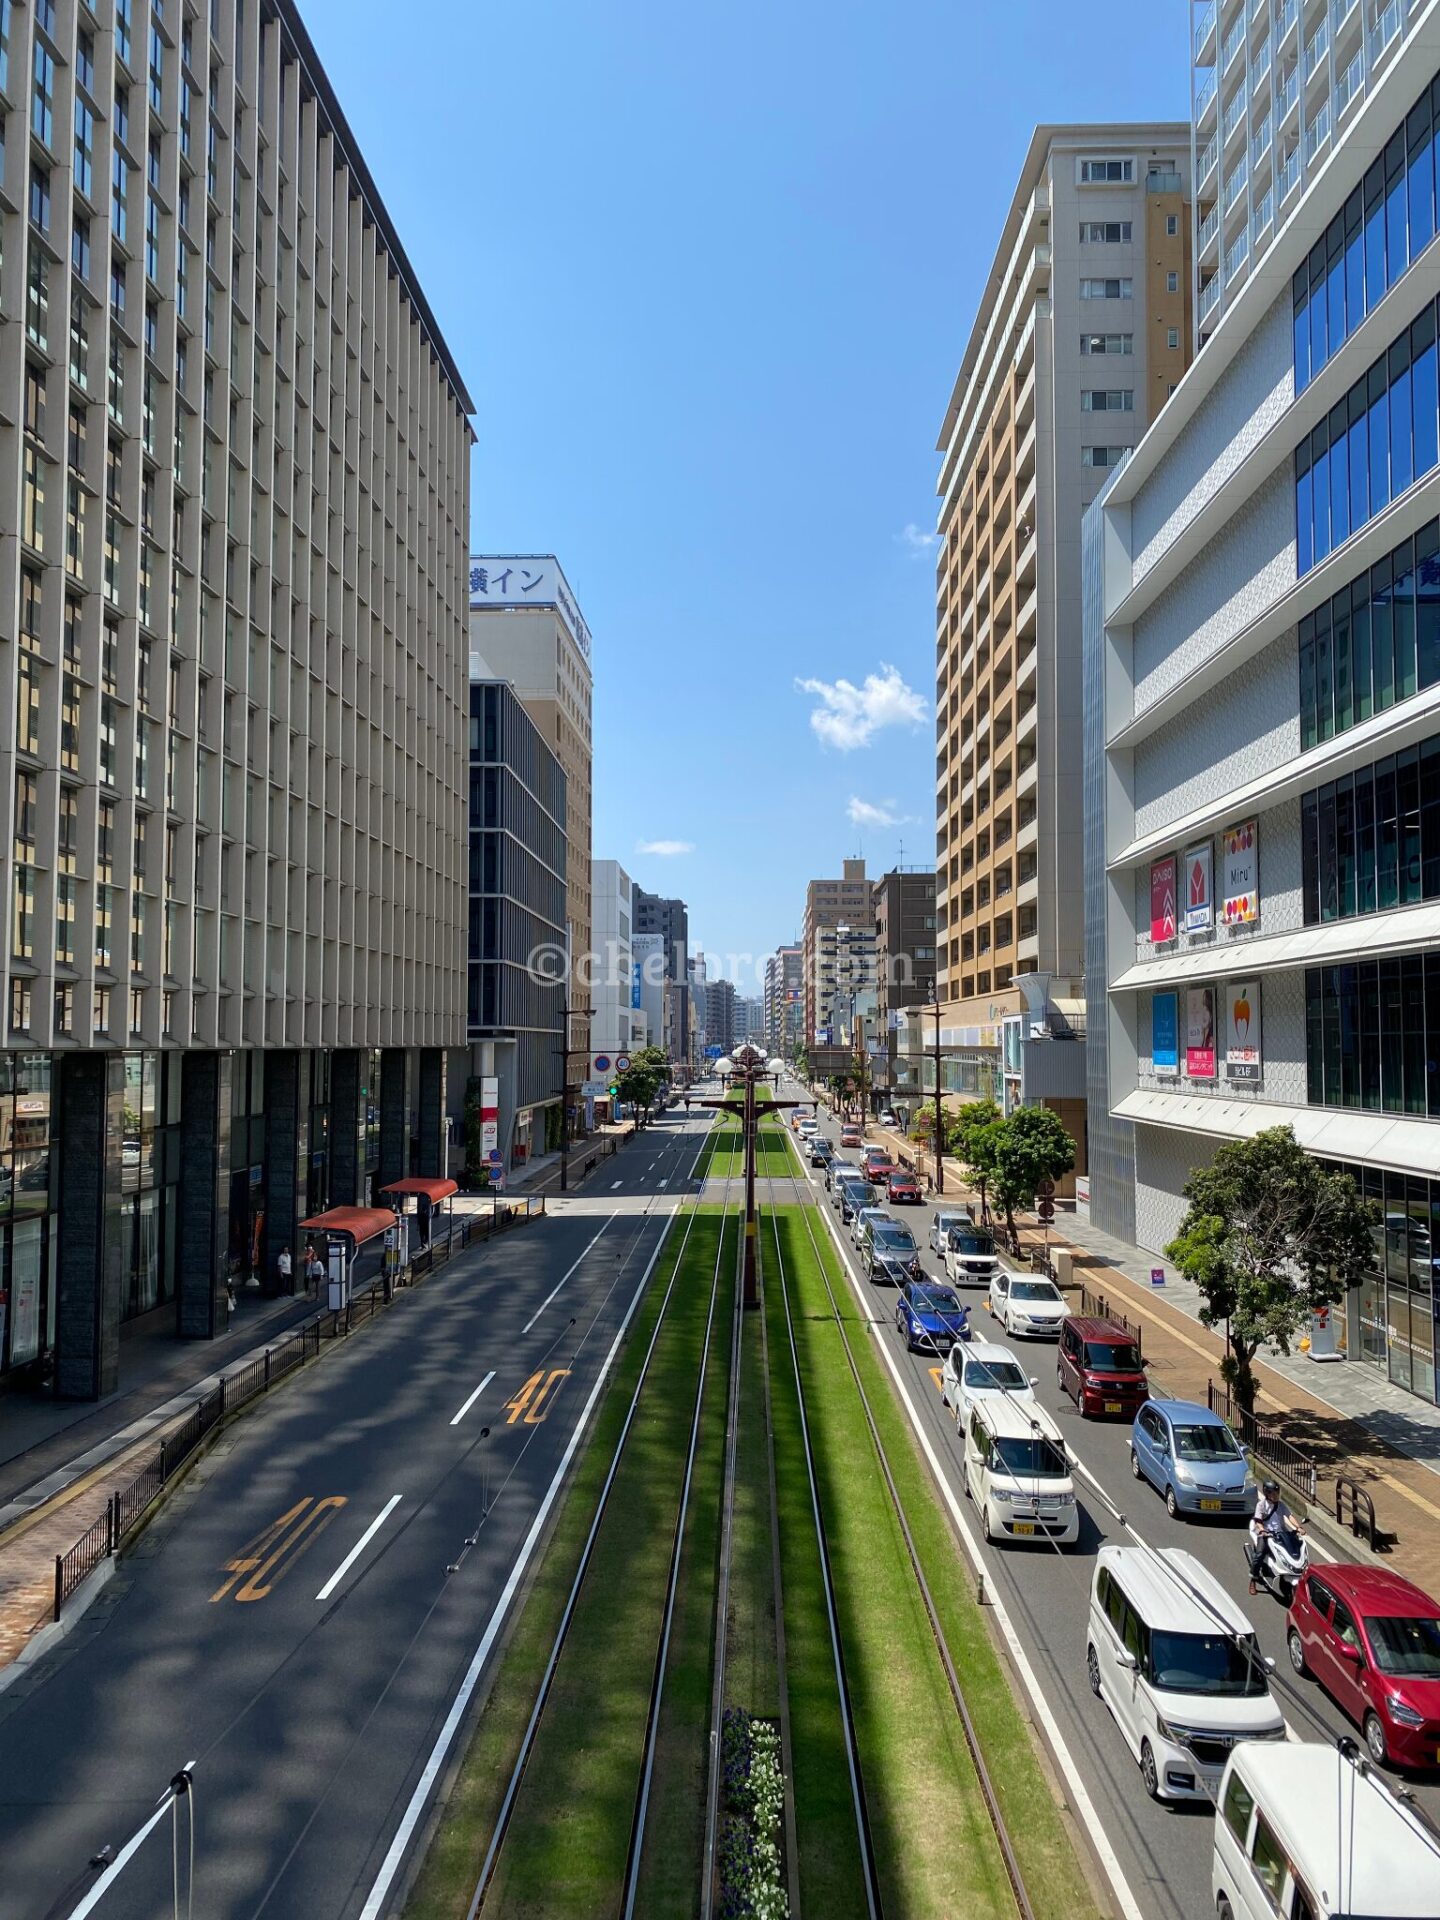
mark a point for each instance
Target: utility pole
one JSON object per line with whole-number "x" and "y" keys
{"x": 567, "y": 1012}
{"x": 939, "y": 1113}
{"x": 746, "y": 1071}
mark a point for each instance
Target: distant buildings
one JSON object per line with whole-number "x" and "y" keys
{"x": 905, "y": 938}
{"x": 830, "y": 904}
{"x": 658, "y": 914}
{"x": 784, "y": 1002}
{"x": 720, "y": 1015}
{"x": 615, "y": 985}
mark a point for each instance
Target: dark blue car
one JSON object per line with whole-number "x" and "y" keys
{"x": 930, "y": 1316}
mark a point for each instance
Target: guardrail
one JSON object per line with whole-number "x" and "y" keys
{"x": 1362, "y": 1513}
{"x": 129, "y": 1504}
{"x": 1264, "y": 1442}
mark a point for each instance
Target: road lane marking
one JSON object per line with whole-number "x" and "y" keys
{"x": 126, "y": 1854}
{"x": 615, "y": 1185}
{"x": 533, "y": 1399}
{"x": 473, "y": 1398}
{"x": 563, "y": 1278}
{"x": 379, "y": 1894}
{"x": 271, "y": 1554}
{"x": 1084, "y": 1806}
{"x": 359, "y": 1547}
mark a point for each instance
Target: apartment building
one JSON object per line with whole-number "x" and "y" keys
{"x": 1083, "y": 334}
{"x": 1274, "y": 87}
{"x": 667, "y": 916}
{"x": 903, "y": 903}
{"x": 234, "y": 488}
{"x": 614, "y": 987}
{"x": 785, "y": 1002}
{"x": 829, "y": 904}
{"x": 526, "y": 627}
{"x": 1263, "y": 659}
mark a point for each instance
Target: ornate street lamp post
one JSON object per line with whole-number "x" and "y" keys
{"x": 744, "y": 1075}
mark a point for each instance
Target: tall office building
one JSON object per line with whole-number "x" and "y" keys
{"x": 657, "y": 913}
{"x": 526, "y": 627}
{"x": 614, "y": 988}
{"x": 720, "y": 1015}
{"x": 829, "y": 904}
{"x": 1263, "y": 644}
{"x": 1275, "y": 86}
{"x": 1083, "y": 333}
{"x": 517, "y": 909}
{"x": 905, "y": 940}
{"x": 235, "y": 494}
{"x": 785, "y": 1002}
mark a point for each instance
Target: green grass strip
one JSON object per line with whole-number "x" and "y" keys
{"x": 1045, "y": 1848}
{"x": 565, "y": 1852}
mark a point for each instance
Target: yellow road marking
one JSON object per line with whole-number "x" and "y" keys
{"x": 272, "y": 1553}
{"x": 935, "y": 1375}
{"x": 532, "y": 1403}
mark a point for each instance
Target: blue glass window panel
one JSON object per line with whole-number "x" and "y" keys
{"x": 1320, "y": 493}
{"x": 1374, "y": 251}
{"x": 1324, "y": 688}
{"x": 1402, "y": 467}
{"x": 1304, "y": 523}
{"x": 1302, "y": 345}
{"x": 1427, "y": 606}
{"x": 1402, "y": 615}
{"x": 1379, "y": 418}
{"x": 1319, "y": 342}
{"x": 1425, "y": 401}
{"x": 1341, "y": 663}
{"x": 1355, "y": 274}
{"x": 1359, "y": 441}
{"x": 1361, "y": 669}
{"x": 1420, "y": 178}
{"x": 1382, "y": 647}
{"x": 1307, "y": 684}
{"x": 1340, "y": 523}
{"x": 1396, "y": 256}
{"x": 1335, "y": 301}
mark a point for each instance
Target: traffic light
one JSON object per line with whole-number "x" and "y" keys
{"x": 615, "y": 1089}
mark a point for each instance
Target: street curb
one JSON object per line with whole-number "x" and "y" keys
{"x": 54, "y": 1631}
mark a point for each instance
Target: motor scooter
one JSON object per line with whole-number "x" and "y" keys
{"x": 1280, "y": 1561}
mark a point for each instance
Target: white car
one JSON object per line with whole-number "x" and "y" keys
{"x": 942, "y": 1222}
{"x": 862, "y": 1220}
{"x": 807, "y": 1128}
{"x": 1025, "y": 1305}
{"x": 890, "y": 1120}
{"x": 1018, "y": 1473}
{"x": 982, "y": 1370}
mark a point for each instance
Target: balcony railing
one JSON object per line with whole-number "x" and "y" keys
{"x": 1340, "y": 12}
{"x": 1263, "y": 214}
{"x": 1234, "y": 114}
{"x": 1208, "y": 158}
{"x": 1209, "y": 227}
{"x": 1385, "y": 29}
{"x": 1317, "y": 47}
{"x": 1235, "y": 185}
{"x": 1209, "y": 296}
{"x": 1288, "y": 13}
{"x": 1234, "y": 40}
{"x": 1317, "y": 133}
{"x": 1204, "y": 89}
{"x": 1236, "y": 255}
{"x": 1260, "y": 145}
{"x": 1204, "y": 26}
{"x": 1350, "y": 85}
{"x": 1287, "y": 93}
{"x": 1289, "y": 175}
{"x": 1260, "y": 61}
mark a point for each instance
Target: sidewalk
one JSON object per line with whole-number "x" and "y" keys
{"x": 1342, "y": 1414}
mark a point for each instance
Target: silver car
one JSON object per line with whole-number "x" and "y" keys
{"x": 863, "y": 1219}
{"x": 944, "y": 1220}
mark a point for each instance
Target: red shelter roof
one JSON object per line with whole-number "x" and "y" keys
{"x": 432, "y": 1190}
{"x": 361, "y": 1223}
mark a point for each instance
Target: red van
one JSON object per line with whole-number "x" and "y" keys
{"x": 1100, "y": 1368}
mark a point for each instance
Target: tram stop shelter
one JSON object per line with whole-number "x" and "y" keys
{"x": 429, "y": 1196}
{"x": 346, "y": 1230}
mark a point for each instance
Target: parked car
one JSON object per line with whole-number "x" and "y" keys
{"x": 970, "y": 1256}
{"x": 982, "y": 1370}
{"x": 1274, "y": 1848}
{"x": 1189, "y": 1454}
{"x": 1025, "y": 1306}
{"x": 940, "y": 1224}
{"x": 1099, "y": 1367}
{"x": 1176, "y": 1661}
{"x": 931, "y": 1317}
{"x": 904, "y": 1187}
{"x": 885, "y": 1238}
{"x": 1017, "y": 1472}
{"x": 861, "y": 1220}
{"x": 1372, "y": 1640}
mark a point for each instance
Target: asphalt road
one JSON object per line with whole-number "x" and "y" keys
{"x": 1163, "y": 1852}
{"x": 300, "y": 1618}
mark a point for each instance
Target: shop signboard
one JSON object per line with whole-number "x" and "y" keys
{"x": 489, "y": 1114}
{"x": 1240, "y": 873}
{"x": 1200, "y": 1033}
{"x": 1165, "y": 1034}
{"x": 1242, "y": 1030}
{"x": 1162, "y": 899}
{"x": 1200, "y": 888}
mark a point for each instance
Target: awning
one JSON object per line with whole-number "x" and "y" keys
{"x": 360, "y": 1223}
{"x": 1374, "y": 1139}
{"x": 432, "y": 1190}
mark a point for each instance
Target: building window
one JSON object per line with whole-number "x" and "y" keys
{"x": 101, "y": 1010}
{"x": 27, "y": 798}
{"x": 1376, "y": 441}
{"x": 1102, "y": 456}
{"x": 20, "y": 998}
{"x": 27, "y": 704}
{"x": 1384, "y": 225}
{"x": 70, "y": 724}
{"x": 1172, "y": 225}
{"x": 1172, "y": 283}
{"x": 85, "y": 59}
{"x": 1374, "y": 642}
{"x": 104, "y": 919}
{"x": 37, "y": 300}
{"x": 84, "y": 148}
{"x": 1172, "y": 336}
{"x": 1107, "y": 343}
{"x": 1122, "y": 289}
{"x": 80, "y": 334}
{"x": 40, "y": 198}
{"x": 1106, "y": 173}
{"x": 1372, "y": 1035}
{"x": 22, "y": 924}
{"x": 1107, "y": 400}
{"x": 1105, "y": 233}
{"x": 64, "y": 1009}
{"x": 80, "y": 247}
{"x": 1370, "y": 841}
{"x": 42, "y": 95}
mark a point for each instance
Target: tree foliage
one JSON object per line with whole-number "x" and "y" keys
{"x": 1029, "y": 1148}
{"x": 1269, "y": 1237}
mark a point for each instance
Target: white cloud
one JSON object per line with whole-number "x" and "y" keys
{"x": 917, "y": 540}
{"x": 862, "y": 813}
{"x": 848, "y": 716}
{"x": 665, "y": 848}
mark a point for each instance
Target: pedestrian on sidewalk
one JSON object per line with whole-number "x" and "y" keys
{"x": 283, "y": 1269}
{"x": 314, "y": 1271}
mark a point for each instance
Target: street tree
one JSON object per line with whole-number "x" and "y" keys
{"x": 971, "y": 1139}
{"x": 1032, "y": 1147}
{"x": 1268, "y": 1238}
{"x": 638, "y": 1087}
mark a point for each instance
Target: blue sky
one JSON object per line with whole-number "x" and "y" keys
{"x": 709, "y": 270}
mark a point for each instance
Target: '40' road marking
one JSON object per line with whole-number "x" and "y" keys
{"x": 532, "y": 1402}
{"x": 271, "y": 1554}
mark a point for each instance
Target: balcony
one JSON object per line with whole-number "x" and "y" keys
{"x": 1289, "y": 176}
{"x": 1317, "y": 133}
{"x": 1027, "y": 723}
{"x": 1205, "y": 165}
{"x": 1234, "y": 41}
{"x": 1289, "y": 13}
{"x": 1235, "y": 183}
{"x": 1287, "y": 93}
{"x": 1236, "y": 254}
{"x": 1028, "y": 779}
{"x": 1028, "y": 948}
{"x": 1384, "y": 30}
{"x": 1209, "y": 228}
{"x": 1026, "y": 661}
{"x": 1350, "y": 85}
{"x": 1316, "y": 49}
{"x": 1204, "y": 32}
{"x": 1028, "y": 892}
{"x": 1234, "y": 115}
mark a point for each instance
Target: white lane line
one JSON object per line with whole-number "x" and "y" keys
{"x": 125, "y": 1856}
{"x": 1084, "y": 1807}
{"x": 473, "y": 1398}
{"x": 563, "y": 1278}
{"x": 359, "y": 1547}
{"x": 614, "y": 1185}
{"x": 410, "y": 1819}
{"x": 663, "y": 1185}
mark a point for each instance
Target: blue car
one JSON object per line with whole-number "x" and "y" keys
{"x": 1189, "y": 1454}
{"x": 930, "y": 1316}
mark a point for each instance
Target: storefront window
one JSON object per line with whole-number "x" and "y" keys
{"x": 149, "y": 1159}
{"x": 27, "y": 1307}
{"x": 1393, "y": 1310}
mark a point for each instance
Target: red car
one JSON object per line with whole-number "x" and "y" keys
{"x": 904, "y": 1186}
{"x": 878, "y": 1165}
{"x": 1372, "y": 1640}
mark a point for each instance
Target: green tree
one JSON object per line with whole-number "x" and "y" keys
{"x": 969, "y": 1137}
{"x": 1032, "y": 1147}
{"x": 639, "y": 1086}
{"x": 1268, "y": 1238}
{"x": 476, "y": 1171}
{"x": 655, "y": 1057}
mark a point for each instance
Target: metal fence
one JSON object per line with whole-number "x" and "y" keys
{"x": 1098, "y": 1307}
{"x": 129, "y": 1504}
{"x": 1264, "y": 1442}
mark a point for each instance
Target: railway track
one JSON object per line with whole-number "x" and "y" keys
{"x": 805, "y": 1199}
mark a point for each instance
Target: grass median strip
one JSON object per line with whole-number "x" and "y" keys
{"x": 1047, "y": 1854}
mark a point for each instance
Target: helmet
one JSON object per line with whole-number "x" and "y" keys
{"x": 1270, "y": 1489}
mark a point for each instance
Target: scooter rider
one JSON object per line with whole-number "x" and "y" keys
{"x": 1272, "y": 1517}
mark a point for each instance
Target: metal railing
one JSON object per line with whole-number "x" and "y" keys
{"x": 128, "y": 1505}
{"x": 1264, "y": 1443}
{"x": 1098, "y": 1307}
{"x": 1362, "y": 1512}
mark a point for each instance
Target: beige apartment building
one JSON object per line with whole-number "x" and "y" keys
{"x": 526, "y": 627}
{"x": 830, "y": 904}
{"x": 1083, "y": 333}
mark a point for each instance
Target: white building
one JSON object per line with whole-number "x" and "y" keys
{"x": 614, "y": 989}
{"x": 1262, "y": 707}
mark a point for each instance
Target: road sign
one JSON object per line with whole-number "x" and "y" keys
{"x": 602, "y": 1063}
{"x": 622, "y": 1063}
{"x": 594, "y": 1089}
{"x": 1046, "y": 1209}
{"x": 495, "y": 1156}
{"x": 1046, "y": 1190}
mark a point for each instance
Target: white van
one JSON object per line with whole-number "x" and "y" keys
{"x": 1018, "y": 1473}
{"x": 1176, "y": 1661}
{"x": 1308, "y": 1832}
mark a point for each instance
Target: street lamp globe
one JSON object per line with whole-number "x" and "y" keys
{"x": 724, "y": 1064}
{"x": 776, "y": 1065}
